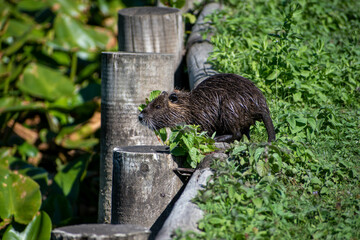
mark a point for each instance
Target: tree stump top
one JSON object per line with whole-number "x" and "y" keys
{"x": 139, "y": 11}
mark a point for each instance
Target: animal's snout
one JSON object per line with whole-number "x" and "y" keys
{"x": 141, "y": 117}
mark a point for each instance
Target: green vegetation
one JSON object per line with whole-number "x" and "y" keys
{"x": 304, "y": 55}
{"x": 190, "y": 142}
{"x": 50, "y": 111}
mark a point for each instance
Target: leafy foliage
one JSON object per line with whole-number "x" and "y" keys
{"x": 188, "y": 141}
{"x": 50, "y": 111}
{"x": 304, "y": 56}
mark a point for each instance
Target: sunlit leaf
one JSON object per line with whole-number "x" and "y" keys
{"x": 44, "y": 82}
{"x": 38, "y": 229}
{"x": 70, "y": 35}
{"x": 19, "y": 196}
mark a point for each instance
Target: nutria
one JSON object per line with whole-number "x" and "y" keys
{"x": 227, "y": 104}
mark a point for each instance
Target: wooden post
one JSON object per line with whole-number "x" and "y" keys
{"x": 144, "y": 185}
{"x": 151, "y": 29}
{"x": 127, "y": 78}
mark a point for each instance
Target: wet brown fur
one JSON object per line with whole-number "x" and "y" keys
{"x": 227, "y": 104}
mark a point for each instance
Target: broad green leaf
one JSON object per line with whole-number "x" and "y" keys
{"x": 297, "y": 97}
{"x": 257, "y": 202}
{"x": 19, "y": 196}
{"x": 44, "y": 82}
{"x": 178, "y": 151}
{"x": 312, "y": 123}
{"x": 258, "y": 153}
{"x": 69, "y": 7}
{"x": 32, "y": 5}
{"x": 38, "y": 229}
{"x": 70, "y": 35}
{"x": 37, "y": 174}
{"x": 68, "y": 179}
{"x": 262, "y": 168}
{"x": 188, "y": 140}
{"x": 239, "y": 149}
{"x": 316, "y": 180}
{"x": 17, "y": 28}
{"x": 58, "y": 207}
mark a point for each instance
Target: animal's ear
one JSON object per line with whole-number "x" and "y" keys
{"x": 164, "y": 93}
{"x": 173, "y": 97}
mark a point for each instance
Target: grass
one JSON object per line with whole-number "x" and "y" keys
{"x": 304, "y": 56}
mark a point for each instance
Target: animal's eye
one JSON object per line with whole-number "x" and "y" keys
{"x": 173, "y": 98}
{"x": 157, "y": 106}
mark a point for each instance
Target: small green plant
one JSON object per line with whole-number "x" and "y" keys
{"x": 188, "y": 141}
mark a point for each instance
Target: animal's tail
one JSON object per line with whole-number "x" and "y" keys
{"x": 269, "y": 126}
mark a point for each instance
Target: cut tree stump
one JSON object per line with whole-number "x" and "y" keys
{"x": 145, "y": 185}
{"x": 127, "y": 78}
{"x": 151, "y": 29}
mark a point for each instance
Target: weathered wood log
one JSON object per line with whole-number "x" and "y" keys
{"x": 186, "y": 214}
{"x": 198, "y": 49}
{"x": 127, "y": 78}
{"x": 101, "y": 232}
{"x": 144, "y": 185}
{"x": 151, "y": 29}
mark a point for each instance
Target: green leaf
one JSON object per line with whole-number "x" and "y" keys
{"x": 27, "y": 150}
{"x": 68, "y": 179}
{"x": 19, "y": 196}
{"x": 297, "y": 97}
{"x": 178, "y": 151}
{"x": 257, "y": 202}
{"x": 162, "y": 133}
{"x": 316, "y": 180}
{"x": 38, "y": 229}
{"x": 262, "y": 168}
{"x": 38, "y": 174}
{"x": 190, "y": 17}
{"x": 154, "y": 94}
{"x": 44, "y": 82}
{"x": 71, "y": 35}
{"x": 258, "y": 153}
{"x": 273, "y": 75}
{"x": 239, "y": 149}
{"x": 58, "y": 207}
